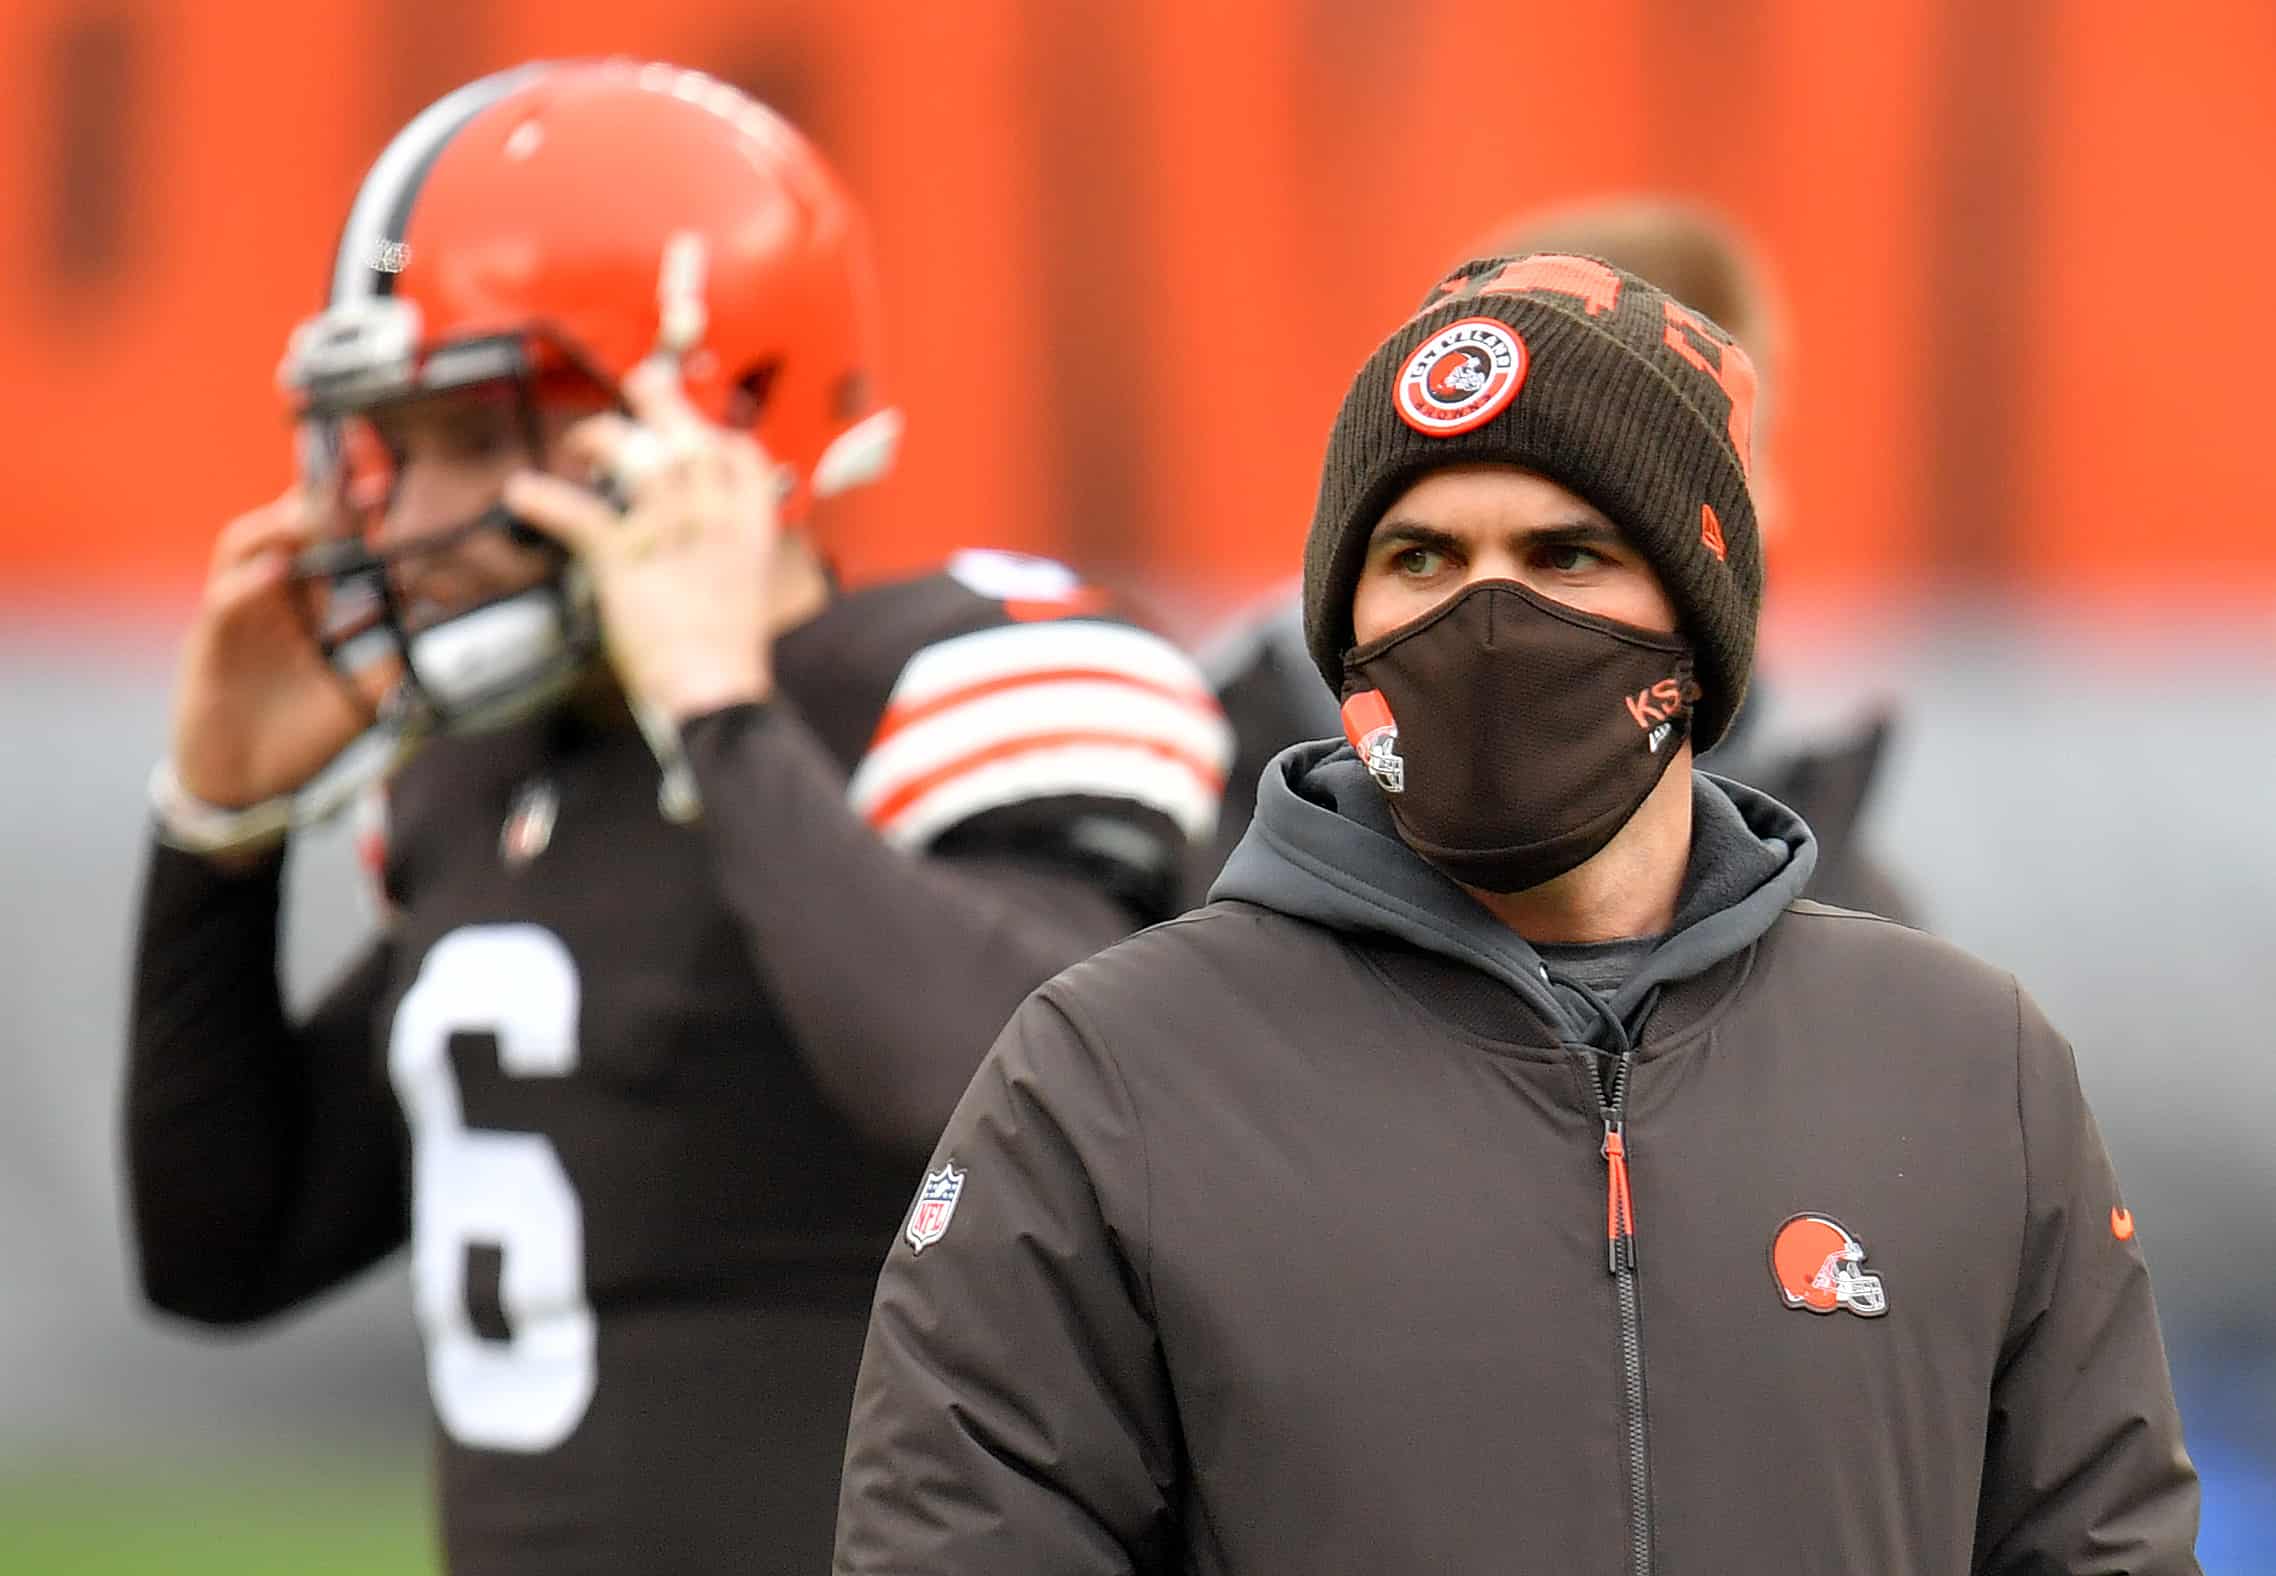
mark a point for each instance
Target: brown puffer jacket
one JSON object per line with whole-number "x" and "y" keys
{"x": 1291, "y": 1237}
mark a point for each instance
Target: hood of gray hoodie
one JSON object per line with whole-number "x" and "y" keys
{"x": 1323, "y": 847}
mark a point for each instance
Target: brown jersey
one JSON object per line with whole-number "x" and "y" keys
{"x": 642, "y": 1090}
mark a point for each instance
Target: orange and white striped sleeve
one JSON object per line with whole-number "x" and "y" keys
{"x": 1065, "y": 708}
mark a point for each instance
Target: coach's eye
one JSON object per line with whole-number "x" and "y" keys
{"x": 1568, "y": 559}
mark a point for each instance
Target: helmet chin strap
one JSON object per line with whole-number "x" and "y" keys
{"x": 486, "y": 668}
{"x": 500, "y": 662}
{"x": 497, "y": 664}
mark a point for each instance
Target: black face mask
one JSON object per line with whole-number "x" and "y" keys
{"x": 1512, "y": 735}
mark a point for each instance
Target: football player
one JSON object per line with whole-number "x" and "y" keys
{"x": 708, "y": 880}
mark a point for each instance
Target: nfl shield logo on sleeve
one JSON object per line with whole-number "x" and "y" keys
{"x": 936, "y": 1205}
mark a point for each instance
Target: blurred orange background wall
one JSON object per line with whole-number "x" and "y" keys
{"x": 1132, "y": 253}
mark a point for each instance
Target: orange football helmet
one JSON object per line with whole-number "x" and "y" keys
{"x": 548, "y": 228}
{"x": 548, "y": 220}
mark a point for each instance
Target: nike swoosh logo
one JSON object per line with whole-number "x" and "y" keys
{"x": 2121, "y": 1222}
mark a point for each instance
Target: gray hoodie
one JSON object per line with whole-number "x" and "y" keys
{"x": 1323, "y": 847}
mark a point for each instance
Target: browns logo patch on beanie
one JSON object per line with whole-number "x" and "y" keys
{"x": 1571, "y": 368}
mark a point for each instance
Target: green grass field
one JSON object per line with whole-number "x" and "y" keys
{"x": 217, "y": 1519}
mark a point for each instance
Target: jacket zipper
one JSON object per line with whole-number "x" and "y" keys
{"x": 1620, "y": 1260}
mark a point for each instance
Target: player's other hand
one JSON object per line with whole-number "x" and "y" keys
{"x": 257, "y": 710}
{"x": 681, "y": 574}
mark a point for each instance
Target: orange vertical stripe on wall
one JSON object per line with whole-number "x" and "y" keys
{"x": 2152, "y": 466}
{"x": 1838, "y": 199}
{"x": 143, "y": 399}
{"x": 939, "y": 147}
{"x": 1321, "y": 165}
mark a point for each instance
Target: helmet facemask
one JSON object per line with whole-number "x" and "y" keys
{"x": 463, "y": 668}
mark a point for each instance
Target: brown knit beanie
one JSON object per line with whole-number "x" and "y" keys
{"x": 1568, "y": 367}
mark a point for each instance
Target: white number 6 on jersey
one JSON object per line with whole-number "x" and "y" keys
{"x": 468, "y": 1186}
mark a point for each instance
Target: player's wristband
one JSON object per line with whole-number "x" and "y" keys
{"x": 190, "y": 824}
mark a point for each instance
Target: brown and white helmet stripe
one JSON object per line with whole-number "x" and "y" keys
{"x": 370, "y": 254}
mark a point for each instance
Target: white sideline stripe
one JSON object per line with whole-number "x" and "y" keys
{"x": 1048, "y": 706}
{"x": 989, "y": 654}
{"x": 1104, "y": 771}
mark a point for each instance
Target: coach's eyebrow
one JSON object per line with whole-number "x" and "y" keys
{"x": 1406, "y": 533}
{"x": 1581, "y": 533}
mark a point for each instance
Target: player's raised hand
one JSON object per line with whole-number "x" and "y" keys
{"x": 257, "y": 710}
{"x": 680, "y": 574}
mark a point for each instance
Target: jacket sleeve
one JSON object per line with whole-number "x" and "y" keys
{"x": 893, "y": 970}
{"x": 263, "y": 1157}
{"x": 2084, "y": 1470}
{"x": 1013, "y": 1415}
